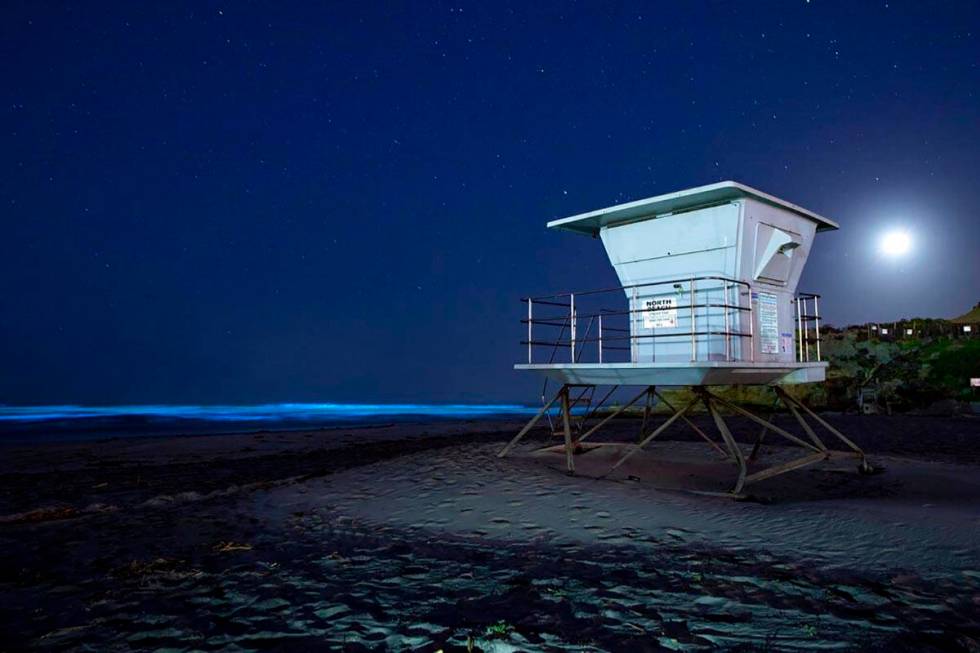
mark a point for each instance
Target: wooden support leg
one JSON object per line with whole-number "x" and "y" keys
{"x": 529, "y": 425}
{"x": 729, "y": 441}
{"x": 658, "y": 431}
{"x": 566, "y": 410}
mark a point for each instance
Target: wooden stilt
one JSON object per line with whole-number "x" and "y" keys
{"x": 566, "y": 410}
{"x": 713, "y": 404}
{"x": 529, "y": 425}
{"x": 729, "y": 441}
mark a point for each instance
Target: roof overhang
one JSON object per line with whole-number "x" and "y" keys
{"x": 684, "y": 200}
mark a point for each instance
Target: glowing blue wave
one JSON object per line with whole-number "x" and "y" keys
{"x": 258, "y": 413}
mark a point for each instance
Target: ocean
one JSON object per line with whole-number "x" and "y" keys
{"x": 33, "y": 424}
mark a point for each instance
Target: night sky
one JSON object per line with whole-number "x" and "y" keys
{"x": 223, "y": 202}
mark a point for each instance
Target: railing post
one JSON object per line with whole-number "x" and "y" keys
{"x": 600, "y": 337}
{"x": 799, "y": 331}
{"x": 694, "y": 338}
{"x": 571, "y": 320}
{"x": 806, "y": 332}
{"x": 728, "y": 332}
{"x": 634, "y": 343}
{"x": 751, "y": 326}
{"x": 816, "y": 317}
{"x": 530, "y": 328}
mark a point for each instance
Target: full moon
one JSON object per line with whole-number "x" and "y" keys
{"x": 896, "y": 243}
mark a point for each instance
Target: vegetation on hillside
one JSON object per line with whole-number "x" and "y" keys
{"x": 910, "y": 374}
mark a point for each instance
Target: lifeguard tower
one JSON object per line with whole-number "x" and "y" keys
{"x": 709, "y": 279}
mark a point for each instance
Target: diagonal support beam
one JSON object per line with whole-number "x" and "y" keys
{"x": 758, "y": 420}
{"x": 530, "y": 425}
{"x": 596, "y": 408}
{"x": 618, "y": 411}
{"x": 806, "y": 427}
{"x": 581, "y": 395}
{"x": 693, "y": 426}
{"x": 726, "y": 435}
{"x": 658, "y": 431}
{"x": 776, "y": 470}
{"x": 566, "y": 410}
{"x": 820, "y": 420}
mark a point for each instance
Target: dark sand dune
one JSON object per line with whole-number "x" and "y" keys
{"x": 416, "y": 537}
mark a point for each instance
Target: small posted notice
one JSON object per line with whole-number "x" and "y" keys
{"x": 768, "y": 323}
{"x": 660, "y": 313}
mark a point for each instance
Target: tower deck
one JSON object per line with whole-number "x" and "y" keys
{"x": 680, "y": 374}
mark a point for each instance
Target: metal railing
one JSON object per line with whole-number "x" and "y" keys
{"x": 807, "y": 315}
{"x": 728, "y": 311}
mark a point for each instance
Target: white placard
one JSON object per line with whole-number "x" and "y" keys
{"x": 967, "y": 328}
{"x": 975, "y": 383}
{"x": 660, "y": 313}
{"x": 768, "y": 323}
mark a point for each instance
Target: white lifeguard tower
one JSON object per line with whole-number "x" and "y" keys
{"x": 709, "y": 276}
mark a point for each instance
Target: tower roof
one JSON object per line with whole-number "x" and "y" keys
{"x": 683, "y": 200}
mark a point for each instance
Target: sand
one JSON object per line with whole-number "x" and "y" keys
{"x": 888, "y": 521}
{"x": 416, "y": 537}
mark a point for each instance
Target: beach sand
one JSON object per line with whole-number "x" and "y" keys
{"x": 417, "y": 537}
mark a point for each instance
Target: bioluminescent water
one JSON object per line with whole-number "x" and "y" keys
{"x": 75, "y": 422}
{"x": 259, "y": 413}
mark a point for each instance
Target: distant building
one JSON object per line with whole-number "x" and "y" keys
{"x": 969, "y": 322}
